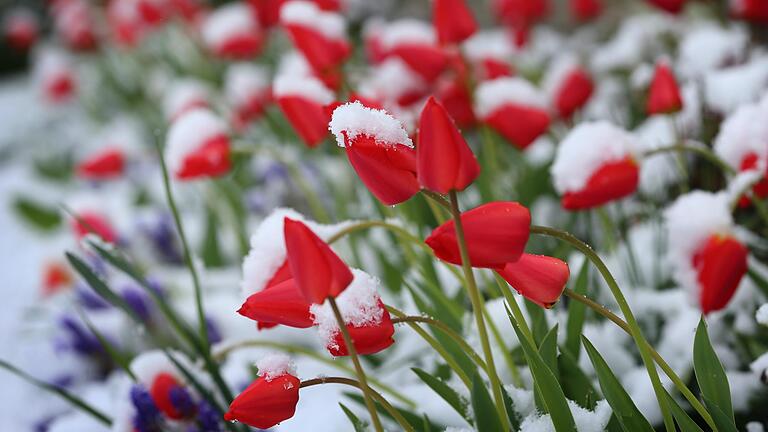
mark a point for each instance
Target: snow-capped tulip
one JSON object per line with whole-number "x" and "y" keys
{"x": 514, "y": 108}
{"x": 664, "y": 94}
{"x": 165, "y": 383}
{"x": 568, "y": 86}
{"x": 393, "y": 82}
{"x": 453, "y": 21}
{"x": 106, "y": 164}
{"x": 197, "y": 146}
{"x": 671, "y": 6}
{"x": 185, "y": 95}
{"x": 56, "y": 76}
{"x": 415, "y": 43}
{"x": 281, "y": 303}
{"x": 20, "y": 29}
{"x": 490, "y": 53}
{"x": 540, "y": 279}
{"x": 247, "y": 90}
{"x": 317, "y": 271}
{"x": 271, "y": 398}
{"x": 707, "y": 259}
{"x": 750, "y": 10}
{"x": 445, "y": 161}
{"x": 303, "y": 99}
{"x": 126, "y": 25}
{"x": 379, "y": 150}
{"x": 75, "y": 24}
{"x": 594, "y": 165}
{"x": 585, "y": 10}
{"x": 232, "y": 32}
{"x": 367, "y": 320}
{"x": 496, "y": 234}
{"x": 319, "y": 35}
{"x": 88, "y": 221}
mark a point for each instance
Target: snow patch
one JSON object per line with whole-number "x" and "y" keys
{"x": 188, "y": 133}
{"x": 307, "y": 87}
{"x": 353, "y": 119}
{"x": 275, "y": 365}
{"x": 307, "y": 14}
{"x": 228, "y": 21}
{"x": 494, "y": 94}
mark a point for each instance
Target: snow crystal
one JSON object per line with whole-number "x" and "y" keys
{"x": 687, "y": 234}
{"x": 308, "y": 87}
{"x": 355, "y": 119}
{"x": 709, "y": 47}
{"x": 762, "y": 315}
{"x": 492, "y": 95}
{"x": 727, "y": 89}
{"x": 358, "y": 304}
{"x": 188, "y": 133}
{"x": 307, "y": 14}
{"x": 489, "y": 45}
{"x": 585, "y": 149}
{"x": 244, "y": 81}
{"x": 182, "y": 95}
{"x": 407, "y": 31}
{"x": 275, "y": 365}
{"x": 586, "y": 420}
{"x": 228, "y": 21}
{"x": 744, "y": 131}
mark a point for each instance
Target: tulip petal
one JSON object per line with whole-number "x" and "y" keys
{"x": 264, "y": 403}
{"x": 278, "y": 304}
{"x": 720, "y": 264}
{"x": 540, "y": 279}
{"x": 611, "y": 182}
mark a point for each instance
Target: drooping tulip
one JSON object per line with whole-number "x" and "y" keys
{"x": 595, "y": 165}
{"x": 232, "y": 32}
{"x": 664, "y": 93}
{"x": 445, "y": 161}
{"x": 197, "y": 146}
{"x": 379, "y": 150}
{"x": 317, "y": 271}
{"x": 319, "y": 35}
{"x": 496, "y": 234}
{"x": 453, "y": 21}
{"x": 106, "y": 164}
{"x": 281, "y": 303}
{"x": 271, "y": 398}
{"x": 415, "y": 43}
{"x": 539, "y": 278}
{"x": 514, "y": 108}
{"x": 303, "y": 101}
{"x": 568, "y": 86}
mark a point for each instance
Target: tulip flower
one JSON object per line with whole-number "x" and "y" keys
{"x": 394, "y": 83}
{"x": 445, "y": 161}
{"x": 103, "y": 165}
{"x": 271, "y": 398}
{"x": 568, "y": 86}
{"x": 671, "y": 6}
{"x": 367, "y": 338}
{"x": 303, "y": 101}
{"x": 453, "y": 21}
{"x": 92, "y": 222}
{"x": 750, "y": 10}
{"x": 247, "y": 90}
{"x": 720, "y": 264}
{"x": 513, "y": 108}
{"x": 594, "y": 165}
{"x": 490, "y": 52}
{"x": 585, "y": 10}
{"x": 75, "y": 24}
{"x": 165, "y": 383}
{"x": 318, "y": 34}
{"x": 540, "y": 279}
{"x": 664, "y": 94}
{"x": 282, "y": 303}
{"x": 415, "y": 43}
{"x": 496, "y": 234}
{"x": 56, "y": 276}
{"x": 318, "y": 272}
{"x": 521, "y": 15}
{"x": 267, "y": 11}
{"x": 232, "y": 32}
{"x": 379, "y": 150}
{"x": 456, "y": 97}
{"x": 20, "y": 29}
{"x": 56, "y": 76}
{"x": 183, "y": 96}
{"x": 197, "y": 146}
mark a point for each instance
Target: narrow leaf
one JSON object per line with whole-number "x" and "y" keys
{"x": 710, "y": 373}
{"x": 683, "y": 420}
{"x": 576, "y": 314}
{"x": 356, "y": 422}
{"x": 486, "y": 418}
{"x": 446, "y": 392}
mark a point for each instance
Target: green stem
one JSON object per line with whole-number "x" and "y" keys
{"x": 517, "y": 313}
{"x": 516, "y": 378}
{"x": 474, "y": 295}
{"x": 358, "y": 367}
{"x": 350, "y": 382}
{"x": 700, "y": 150}
{"x": 635, "y": 332}
{"x": 689, "y": 396}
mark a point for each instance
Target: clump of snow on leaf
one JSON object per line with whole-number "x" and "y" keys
{"x": 275, "y": 365}
{"x": 228, "y": 21}
{"x": 192, "y": 130}
{"x": 308, "y": 87}
{"x": 589, "y": 146}
{"x": 307, "y": 14}
{"x": 354, "y": 119}
{"x": 494, "y": 94}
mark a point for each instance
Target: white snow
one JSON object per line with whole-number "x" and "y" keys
{"x": 294, "y": 64}
{"x": 559, "y": 70}
{"x": 727, "y": 89}
{"x": 50, "y": 63}
{"x": 636, "y": 36}
{"x": 744, "y": 131}
{"x": 484, "y": 45}
{"x": 147, "y": 365}
{"x": 353, "y": 119}
{"x": 407, "y": 31}
{"x": 494, "y": 94}
{"x": 182, "y": 94}
{"x": 589, "y": 146}
{"x": 390, "y": 80}
{"x": 307, "y": 87}
{"x": 709, "y": 47}
{"x": 307, "y": 14}
{"x": 275, "y": 365}
{"x": 244, "y": 81}
{"x": 228, "y": 21}
{"x": 358, "y": 304}
{"x": 761, "y": 316}
{"x": 586, "y": 420}
{"x": 188, "y": 133}
{"x": 742, "y": 182}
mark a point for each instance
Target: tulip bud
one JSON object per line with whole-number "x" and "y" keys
{"x": 106, "y": 164}
{"x": 21, "y": 29}
{"x": 540, "y": 279}
{"x": 664, "y": 94}
{"x": 415, "y": 43}
{"x": 514, "y": 108}
{"x": 232, "y": 32}
{"x": 453, "y": 21}
{"x": 568, "y": 86}
{"x": 197, "y": 146}
{"x": 319, "y": 35}
{"x": 303, "y": 101}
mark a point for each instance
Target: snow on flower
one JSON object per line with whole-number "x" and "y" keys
{"x": 232, "y": 31}
{"x": 197, "y": 145}
{"x": 274, "y": 365}
{"x": 353, "y": 119}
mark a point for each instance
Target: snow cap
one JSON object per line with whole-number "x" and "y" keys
{"x": 353, "y": 119}
{"x": 307, "y": 14}
{"x": 188, "y": 133}
{"x": 275, "y": 365}
{"x": 228, "y": 21}
{"x": 308, "y": 87}
{"x": 494, "y": 94}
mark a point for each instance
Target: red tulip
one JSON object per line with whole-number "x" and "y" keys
{"x": 232, "y": 32}
{"x": 750, "y": 10}
{"x": 529, "y": 123}
{"x": 281, "y": 303}
{"x": 266, "y": 402}
{"x": 75, "y": 24}
{"x": 21, "y": 28}
{"x": 664, "y": 94}
{"x": 540, "y": 279}
{"x": 445, "y": 160}
{"x": 493, "y": 68}
{"x": 429, "y": 61}
{"x": 56, "y": 276}
{"x": 367, "y": 339}
{"x": 457, "y": 100}
{"x": 585, "y": 10}
{"x": 760, "y": 189}
{"x": 571, "y": 87}
{"x": 720, "y": 264}
{"x": 453, "y": 21}
{"x": 267, "y": 11}
{"x": 319, "y": 35}
{"x": 496, "y": 234}
{"x": 612, "y": 181}
{"x": 514, "y": 108}
{"x": 379, "y": 150}
{"x": 671, "y": 6}
{"x": 247, "y": 90}
{"x": 520, "y": 13}
{"x": 197, "y": 146}
{"x": 161, "y": 393}
{"x": 318, "y": 272}
{"x": 103, "y": 165}
{"x": 303, "y": 101}
{"x": 87, "y": 222}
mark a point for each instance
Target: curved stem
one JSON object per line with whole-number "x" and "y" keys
{"x": 474, "y": 295}
{"x": 350, "y": 382}
{"x": 358, "y": 367}
{"x": 700, "y": 150}
{"x": 603, "y": 311}
{"x": 634, "y": 328}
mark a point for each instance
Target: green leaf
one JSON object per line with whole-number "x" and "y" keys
{"x": 209, "y": 249}
{"x": 486, "y": 418}
{"x": 623, "y": 408}
{"x": 546, "y": 382}
{"x": 358, "y": 424}
{"x": 538, "y": 321}
{"x": 683, "y": 420}
{"x": 115, "y": 354}
{"x": 514, "y": 417}
{"x": 710, "y": 373}
{"x": 548, "y": 349}
{"x": 576, "y": 384}
{"x": 723, "y": 422}
{"x": 576, "y": 313}
{"x": 758, "y": 280}
{"x": 36, "y": 214}
{"x": 446, "y": 392}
